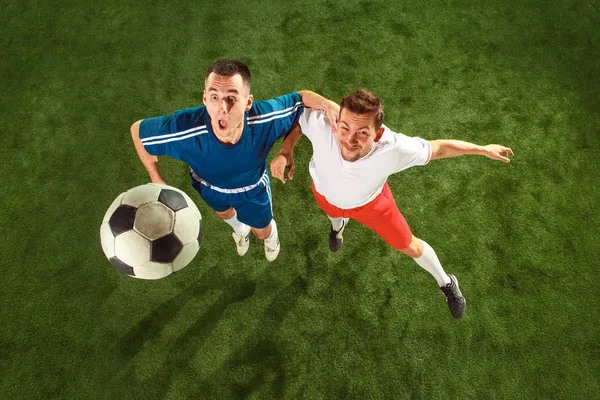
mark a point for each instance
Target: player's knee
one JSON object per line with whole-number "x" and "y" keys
{"x": 262, "y": 233}
{"x": 226, "y": 214}
{"x": 414, "y": 249}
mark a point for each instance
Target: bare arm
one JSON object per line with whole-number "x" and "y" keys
{"x": 315, "y": 100}
{"x": 150, "y": 162}
{"x": 286, "y": 155}
{"x": 285, "y": 159}
{"x": 455, "y": 148}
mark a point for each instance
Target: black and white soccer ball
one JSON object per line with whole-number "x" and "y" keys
{"x": 151, "y": 231}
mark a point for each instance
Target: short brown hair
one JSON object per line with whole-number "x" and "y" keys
{"x": 230, "y": 68}
{"x": 363, "y": 101}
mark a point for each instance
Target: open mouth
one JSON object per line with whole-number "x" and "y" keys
{"x": 222, "y": 125}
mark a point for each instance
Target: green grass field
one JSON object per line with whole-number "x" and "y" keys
{"x": 364, "y": 323}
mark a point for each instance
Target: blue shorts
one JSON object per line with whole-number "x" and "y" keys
{"x": 253, "y": 207}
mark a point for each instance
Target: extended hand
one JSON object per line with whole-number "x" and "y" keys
{"x": 497, "y": 152}
{"x": 279, "y": 164}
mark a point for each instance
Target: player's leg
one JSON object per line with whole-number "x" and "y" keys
{"x": 257, "y": 211}
{"x": 230, "y": 217}
{"x": 221, "y": 204}
{"x": 241, "y": 231}
{"x": 336, "y": 232}
{"x": 425, "y": 256}
{"x": 338, "y": 221}
{"x": 382, "y": 215}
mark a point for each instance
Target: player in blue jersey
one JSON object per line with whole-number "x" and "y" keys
{"x": 226, "y": 142}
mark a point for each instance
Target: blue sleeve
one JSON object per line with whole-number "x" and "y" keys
{"x": 279, "y": 114}
{"x": 164, "y": 135}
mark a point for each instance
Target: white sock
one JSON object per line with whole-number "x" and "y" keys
{"x": 238, "y": 227}
{"x": 336, "y": 223}
{"x": 429, "y": 261}
{"x": 273, "y": 234}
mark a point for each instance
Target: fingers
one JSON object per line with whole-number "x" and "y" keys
{"x": 506, "y": 151}
{"x": 278, "y": 166}
{"x": 333, "y": 115}
{"x": 333, "y": 119}
{"x": 503, "y": 156}
{"x": 279, "y": 176}
{"x": 277, "y": 169}
{"x": 501, "y": 153}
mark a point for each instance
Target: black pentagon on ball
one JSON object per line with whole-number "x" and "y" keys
{"x": 121, "y": 266}
{"x": 122, "y": 219}
{"x": 172, "y": 199}
{"x": 165, "y": 249}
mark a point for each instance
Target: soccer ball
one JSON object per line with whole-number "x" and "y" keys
{"x": 151, "y": 231}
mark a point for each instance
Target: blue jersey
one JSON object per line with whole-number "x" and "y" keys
{"x": 187, "y": 135}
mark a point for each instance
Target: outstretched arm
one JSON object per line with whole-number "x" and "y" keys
{"x": 455, "y": 148}
{"x": 316, "y": 101}
{"x": 150, "y": 162}
{"x": 285, "y": 159}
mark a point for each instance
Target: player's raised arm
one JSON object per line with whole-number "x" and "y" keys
{"x": 285, "y": 159}
{"x": 454, "y": 148}
{"x": 150, "y": 162}
{"x": 315, "y": 100}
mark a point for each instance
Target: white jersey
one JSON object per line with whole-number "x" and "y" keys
{"x": 348, "y": 184}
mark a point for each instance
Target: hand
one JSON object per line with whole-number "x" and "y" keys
{"x": 333, "y": 114}
{"x": 278, "y": 165}
{"x": 497, "y": 152}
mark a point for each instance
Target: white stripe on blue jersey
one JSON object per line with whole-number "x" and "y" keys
{"x": 262, "y": 121}
{"x": 173, "y": 134}
{"x": 259, "y": 119}
{"x": 151, "y": 141}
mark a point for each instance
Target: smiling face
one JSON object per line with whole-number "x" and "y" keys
{"x": 360, "y": 125}
{"x": 356, "y": 134}
{"x": 227, "y": 98}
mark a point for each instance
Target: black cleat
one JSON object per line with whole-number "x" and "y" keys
{"x": 335, "y": 237}
{"x": 456, "y": 302}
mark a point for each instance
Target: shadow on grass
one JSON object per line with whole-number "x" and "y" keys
{"x": 260, "y": 354}
{"x": 234, "y": 289}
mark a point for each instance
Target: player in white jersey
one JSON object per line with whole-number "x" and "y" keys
{"x": 350, "y": 168}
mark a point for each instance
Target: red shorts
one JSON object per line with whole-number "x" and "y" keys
{"x": 381, "y": 215}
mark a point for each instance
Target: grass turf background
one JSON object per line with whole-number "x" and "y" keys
{"x": 364, "y": 323}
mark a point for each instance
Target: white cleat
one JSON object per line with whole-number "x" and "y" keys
{"x": 242, "y": 241}
{"x": 272, "y": 248}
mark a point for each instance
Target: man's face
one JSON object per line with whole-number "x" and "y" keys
{"x": 356, "y": 134}
{"x": 226, "y": 99}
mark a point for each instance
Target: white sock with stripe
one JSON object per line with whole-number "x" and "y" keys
{"x": 430, "y": 262}
{"x": 238, "y": 227}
